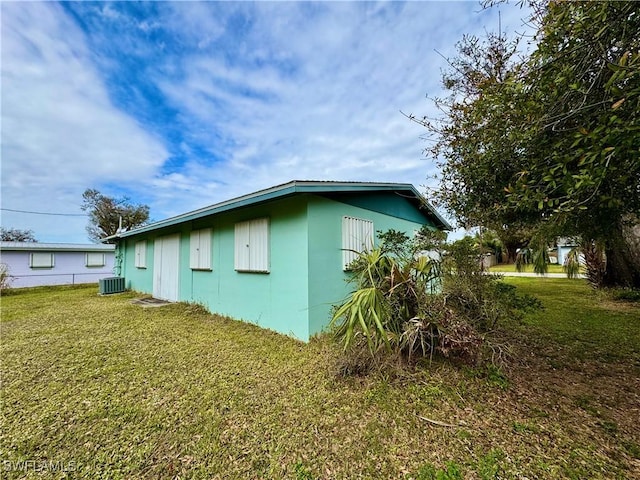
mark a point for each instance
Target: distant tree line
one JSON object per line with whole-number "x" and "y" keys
{"x": 16, "y": 235}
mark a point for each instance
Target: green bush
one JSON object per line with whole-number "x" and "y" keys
{"x": 429, "y": 472}
{"x": 624, "y": 294}
{"x": 422, "y": 297}
{"x": 392, "y": 284}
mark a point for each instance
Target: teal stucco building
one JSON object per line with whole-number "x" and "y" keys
{"x": 276, "y": 257}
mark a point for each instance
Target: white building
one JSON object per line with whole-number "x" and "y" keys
{"x": 564, "y": 245}
{"x": 31, "y": 264}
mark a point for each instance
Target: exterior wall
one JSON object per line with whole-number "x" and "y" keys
{"x": 69, "y": 269}
{"x": 488, "y": 261}
{"x": 306, "y": 278}
{"x": 327, "y": 281}
{"x": 140, "y": 279}
{"x": 276, "y": 300}
{"x": 387, "y": 203}
{"x": 563, "y": 251}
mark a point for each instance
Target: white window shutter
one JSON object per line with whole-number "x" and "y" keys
{"x": 200, "y": 249}
{"x": 357, "y": 237}
{"x": 348, "y": 237}
{"x": 94, "y": 259}
{"x": 141, "y": 254}
{"x": 205, "y": 248}
{"x": 241, "y": 250}
{"x": 252, "y": 245}
{"x": 194, "y": 249}
{"x": 366, "y": 235}
{"x": 259, "y": 241}
{"x": 41, "y": 260}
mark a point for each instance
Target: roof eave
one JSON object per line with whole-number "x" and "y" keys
{"x": 55, "y": 247}
{"x": 280, "y": 191}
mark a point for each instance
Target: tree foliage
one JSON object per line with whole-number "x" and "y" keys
{"x": 106, "y": 213}
{"x": 548, "y": 140}
{"x": 16, "y": 235}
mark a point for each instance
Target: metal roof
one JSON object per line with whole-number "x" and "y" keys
{"x": 286, "y": 189}
{"x": 57, "y": 247}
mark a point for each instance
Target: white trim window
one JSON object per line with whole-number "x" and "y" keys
{"x": 357, "y": 237}
{"x": 252, "y": 246}
{"x": 200, "y": 249}
{"x": 94, "y": 259}
{"x": 140, "y": 254}
{"x": 41, "y": 260}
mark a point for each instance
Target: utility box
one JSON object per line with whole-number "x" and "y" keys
{"x": 111, "y": 285}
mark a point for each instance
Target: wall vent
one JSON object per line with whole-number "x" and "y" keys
{"x": 111, "y": 285}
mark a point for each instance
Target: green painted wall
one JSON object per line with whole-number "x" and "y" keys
{"x": 276, "y": 300}
{"x": 387, "y": 203}
{"x": 306, "y": 277}
{"x": 139, "y": 279}
{"x": 327, "y": 281}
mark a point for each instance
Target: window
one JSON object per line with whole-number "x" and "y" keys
{"x": 94, "y": 260}
{"x": 200, "y": 249}
{"x": 41, "y": 260}
{"x": 252, "y": 246}
{"x": 357, "y": 236}
{"x": 141, "y": 254}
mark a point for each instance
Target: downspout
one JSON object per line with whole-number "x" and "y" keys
{"x": 118, "y": 259}
{"x": 119, "y": 255}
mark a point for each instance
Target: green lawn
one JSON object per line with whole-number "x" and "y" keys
{"x": 107, "y": 389}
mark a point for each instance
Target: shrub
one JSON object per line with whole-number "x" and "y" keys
{"x": 392, "y": 283}
{"x": 624, "y": 294}
{"x": 5, "y": 278}
{"x": 422, "y": 297}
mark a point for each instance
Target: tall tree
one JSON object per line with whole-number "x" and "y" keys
{"x": 550, "y": 140}
{"x": 106, "y": 213}
{"x": 16, "y": 235}
{"x": 477, "y": 143}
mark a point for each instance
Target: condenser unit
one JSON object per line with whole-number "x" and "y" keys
{"x": 111, "y": 285}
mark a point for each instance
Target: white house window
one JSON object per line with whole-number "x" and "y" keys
{"x": 357, "y": 237}
{"x": 141, "y": 254}
{"x": 252, "y": 246}
{"x": 200, "y": 249}
{"x": 41, "y": 260}
{"x": 95, "y": 259}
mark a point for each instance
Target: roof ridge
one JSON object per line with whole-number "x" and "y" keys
{"x": 289, "y": 188}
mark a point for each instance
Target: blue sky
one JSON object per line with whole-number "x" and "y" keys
{"x": 181, "y": 105}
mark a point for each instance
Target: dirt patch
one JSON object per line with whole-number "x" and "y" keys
{"x": 150, "y": 302}
{"x": 621, "y": 306}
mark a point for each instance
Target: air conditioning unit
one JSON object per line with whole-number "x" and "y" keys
{"x": 111, "y": 285}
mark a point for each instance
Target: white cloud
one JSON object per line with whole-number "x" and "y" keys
{"x": 328, "y": 88}
{"x": 326, "y": 106}
{"x": 262, "y": 93}
{"x": 60, "y": 131}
